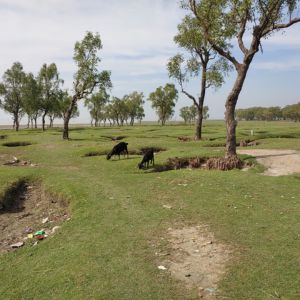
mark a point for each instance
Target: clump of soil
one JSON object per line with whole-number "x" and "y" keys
{"x": 26, "y": 208}
{"x": 197, "y": 259}
{"x": 16, "y": 144}
{"x": 176, "y": 163}
{"x": 248, "y": 143}
{"x": 215, "y": 163}
{"x": 224, "y": 164}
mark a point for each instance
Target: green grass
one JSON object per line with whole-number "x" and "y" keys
{"x": 107, "y": 249}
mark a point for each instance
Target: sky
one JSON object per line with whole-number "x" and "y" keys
{"x": 137, "y": 38}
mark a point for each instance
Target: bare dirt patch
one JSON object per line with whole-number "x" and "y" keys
{"x": 278, "y": 162}
{"x": 197, "y": 259}
{"x": 26, "y": 208}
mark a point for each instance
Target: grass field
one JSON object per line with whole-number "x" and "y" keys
{"x": 107, "y": 249}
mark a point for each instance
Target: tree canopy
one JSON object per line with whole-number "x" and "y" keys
{"x": 163, "y": 100}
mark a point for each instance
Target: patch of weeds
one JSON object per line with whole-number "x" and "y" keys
{"x": 16, "y": 144}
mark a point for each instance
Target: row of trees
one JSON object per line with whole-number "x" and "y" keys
{"x": 117, "y": 111}
{"x": 24, "y": 94}
{"x": 189, "y": 113}
{"x": 275, "y": 113}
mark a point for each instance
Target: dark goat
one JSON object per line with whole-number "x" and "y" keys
{"x": 148, "y": 157}
{"x": 117, "y": 150}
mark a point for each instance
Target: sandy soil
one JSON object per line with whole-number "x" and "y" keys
{"x": 197, "y": 259}
{"x": 278, "y": 162}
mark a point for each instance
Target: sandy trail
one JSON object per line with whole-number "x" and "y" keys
{"x": 278, "y": 162}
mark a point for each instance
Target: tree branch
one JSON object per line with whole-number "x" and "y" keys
{"x": 225, "y": 54}
{"x": 241, "y": 34}
{"x": 190, "y": 96}
{"x": 280, "y": 26}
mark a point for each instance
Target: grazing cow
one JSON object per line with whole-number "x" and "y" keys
{"x": 117, "y": 150}
{"x": 148, "y": 157}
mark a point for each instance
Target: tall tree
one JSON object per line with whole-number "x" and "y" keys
{"x": 32, "y": 94}
{"x": 163, "y": 101}
{"x": 134, "y": 103}
{"x": 49, "y": 83}
{"x": 96, "y": 104}
{"x": 231, "y": 19}
{"x": 202, "y": 61}
{"x": 12, "y": 91}
{"x": 63, "y": 105}
{"x": 87, "y": 76}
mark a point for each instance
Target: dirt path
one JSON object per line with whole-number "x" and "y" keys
{"x": 278, "y": 162}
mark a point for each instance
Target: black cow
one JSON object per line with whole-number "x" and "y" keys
{"x": 117, "y": 150}
{"x": 148, "y": 157}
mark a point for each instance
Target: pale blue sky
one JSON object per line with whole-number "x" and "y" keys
{"x": 137, "y": 38}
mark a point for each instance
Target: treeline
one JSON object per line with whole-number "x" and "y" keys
{"x": 275, "y": 113}
{"x": 116, "y": 111}
{"x": 42, "y": 96}
{"x": 189, "y": 113}
{"x": 24, "y": 94}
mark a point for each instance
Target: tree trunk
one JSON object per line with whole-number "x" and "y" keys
{"x": 198, "y": 135}
{"x": 28, "y": 122}
{"x": 67, "y": 117}
{"x": 43, "y": 120}
{"x": 35, "y": 122}
{"x": 231, "y": 101}
{"x": 51, "y": 122}
{"x": 16, "y": 122}
{"x": 199, "y": 120}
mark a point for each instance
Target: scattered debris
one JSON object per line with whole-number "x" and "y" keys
{"x": 162, "y": 268}
{"x": 55, "y": 228}
{"x": 167, "y": 206}
{"x": 23, "y": 209}
{"x": 45, "y": 220}
{"x": 17, "y": 245}
{"x": 17, "y": 162}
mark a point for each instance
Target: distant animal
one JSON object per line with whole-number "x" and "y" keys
{"x": 148, "y": 157}
{"x": 117, "y": 150}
